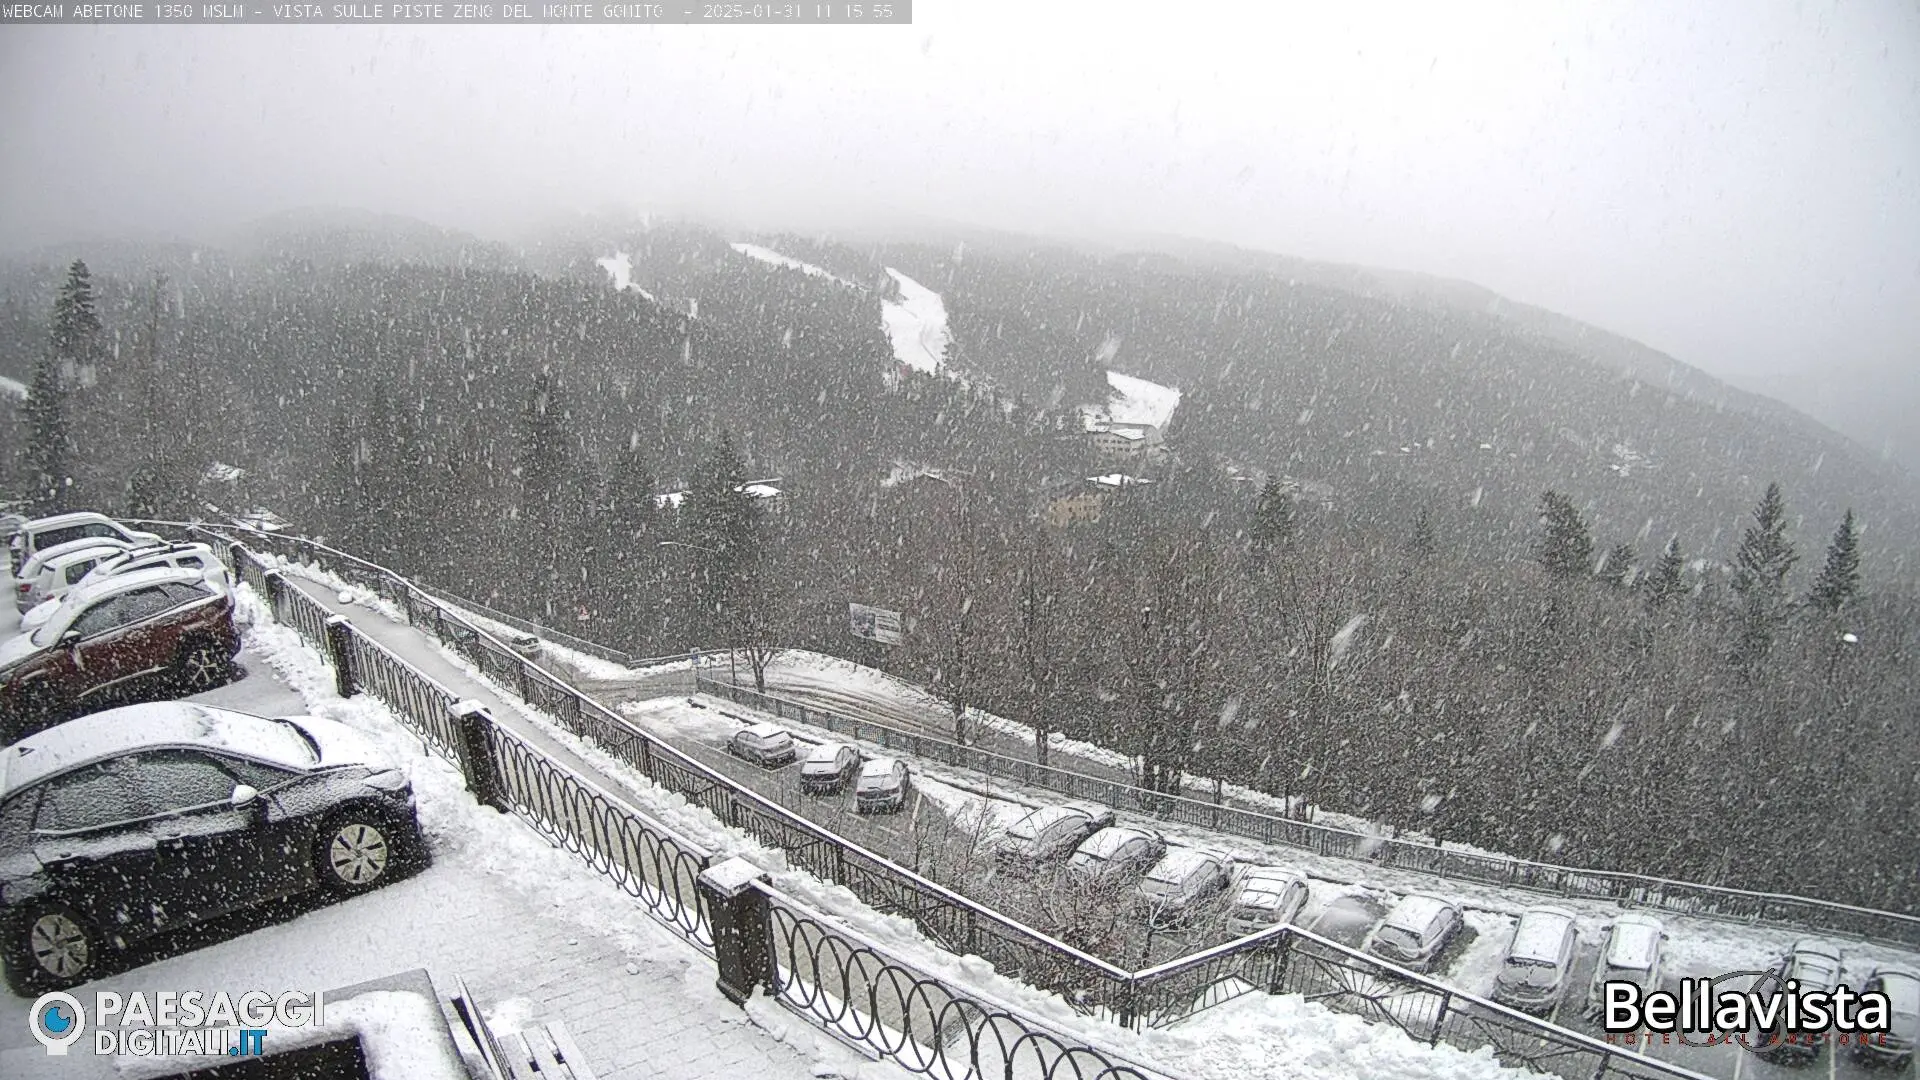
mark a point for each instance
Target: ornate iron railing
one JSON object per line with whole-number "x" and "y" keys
{"x": 920, "y": 1023}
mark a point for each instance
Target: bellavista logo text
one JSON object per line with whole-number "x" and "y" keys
{"x": 173, "y": 1023}
{"x": 1769, "y": 1010}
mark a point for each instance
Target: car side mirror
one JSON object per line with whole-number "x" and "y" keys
{"x": 244, "y": 795}
{"x": 69, "y": 639}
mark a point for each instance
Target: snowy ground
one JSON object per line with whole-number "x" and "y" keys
{"x": 774, "y": 258}
{"x": 620, "y": 265}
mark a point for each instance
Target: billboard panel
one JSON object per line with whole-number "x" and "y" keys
{"x": 874, "y": 624}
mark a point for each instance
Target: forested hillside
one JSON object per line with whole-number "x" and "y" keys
{"x": 1477, "y": 628}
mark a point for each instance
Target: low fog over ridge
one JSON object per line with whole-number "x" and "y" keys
{"x": 1735, "y": 191}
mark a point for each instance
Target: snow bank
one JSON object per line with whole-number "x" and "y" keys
{"x": 13, "y": 387}
{"x": 917, "y": 325}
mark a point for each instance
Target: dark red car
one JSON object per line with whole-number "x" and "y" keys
{"x": 130, "y": 638}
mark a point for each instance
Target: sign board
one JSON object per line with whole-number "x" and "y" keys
{"x": 874, "y": 624}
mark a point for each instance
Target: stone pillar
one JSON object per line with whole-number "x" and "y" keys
{"x": 738, "y": 911}
{"x": 471, "y": 722}
{"x": 339, "y": 632}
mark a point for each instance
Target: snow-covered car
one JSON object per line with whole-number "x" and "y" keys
{"x": 1183, "y": 879}
{"x": 1049, "y": 833}
{"x": 1815, "y": 965}
{"x": 198, "y": 557}
{"x": 1416, "y": 931}
{"x": 128, "y": 635}
{"x": 39, "y": 534}
{"x": 145, "y": 819}
{"x": 48, "y": 575}
{"x": 1266, "y": 896}
{"x": 767, "y": 745}
{"x": 1115, "y": 854}
{"x": 829, "y": 767}
{"x": 1635, "y": 952}
{"x": 882, "y": 786}
{"x": 1902, "y": 987}
{"x": 1537, "y": 963}
{"x": 1346, "y": 919}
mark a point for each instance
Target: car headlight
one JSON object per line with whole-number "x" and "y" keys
{"x": 392, "y": 780}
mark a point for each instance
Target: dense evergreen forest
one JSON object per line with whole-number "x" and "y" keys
{"x": 1546, "y": 652}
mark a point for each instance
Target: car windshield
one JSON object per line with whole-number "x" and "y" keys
{"x": 828, "y": 754}
{"x": 873, "y": 782}
{"x": 1399, "y": 938}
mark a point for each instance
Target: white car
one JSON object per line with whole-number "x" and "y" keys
{"x": 882, "y": 786}
{"x": 1268, "y": 896}
{"x": 1049, "y": 833}
{"x": 1116, "y": 853}
{"x": 1537, "y": 963}
{"x": 40, "y": 534}
{"x": 1416, "y": 931}
{"x": 1182, "y": 880}
{"x": 1634, "y": 952}
{"x": 766, "y": 745}
{"x": 196, "y": 557}
{"x": 48, "y": 568}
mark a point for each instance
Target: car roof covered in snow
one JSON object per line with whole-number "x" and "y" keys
{"x": 60, "y": 521}
{"x": 1103, "y": 844}
{"x": 67, "y": 554}
{"x": 45, "y": 556}
{"x": 118, "y": 731}
{"x": 1178, "y": 863}
{"x": 1267, "y": 884}
{"x": 1415, "y": 912}
{"x": 879, "y": 766}
{"x": 87, "y": 592}
{"x": 1039, "y": 820}
{"x": 1634, "y": 941}
{"x": 827, "y": 751}
{"x": 766, "y": 731}
{"x": 1539, "y": 934}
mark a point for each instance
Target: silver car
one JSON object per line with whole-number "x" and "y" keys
{"x": 1114, "y": 854}
{"x": 1416, "y": 931}
{"x": 767, "y": 745}
{"x": 882, "y": 786}
{"x": 1537, "y": 963}
{"x": 1049, "y": 833}
{"x": 1181, "y": 881}
{"x": 1635, "y": 952}
{"x": 1267, "y": 896}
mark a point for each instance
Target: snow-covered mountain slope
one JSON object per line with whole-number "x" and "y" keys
{"x": 774, "y": 258}
{"x": 1135, "y": 401}
{"x": 917, "y": 325}
{"x": 620, "y": 265}
{"x": 13, "y": 387}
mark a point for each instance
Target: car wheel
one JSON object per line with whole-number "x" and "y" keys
{"x": 55, "y": 949}
{"x": 203, "y": 666}
{"x": 357, "y": 851}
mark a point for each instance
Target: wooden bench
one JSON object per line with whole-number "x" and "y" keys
{"x": 539, "y": 1052}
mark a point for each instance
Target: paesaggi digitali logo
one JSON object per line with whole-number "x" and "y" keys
{"x": 172, "y": 1023}
{"x": 57, "y": 1022}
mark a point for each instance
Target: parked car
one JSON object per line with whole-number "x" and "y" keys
{"x": 767, "y": 745}
{"x": 121, "y": 637}
{"x": 1416, "y": 931}
{"x": 829, "y": 767}
{"x": 48, "y": 575}
{"x": 1182, "y": 880}
{"x": 42, "y": 533}
{"x": 1634, "y": 952}
{"x": 124, "y": 562}
{"x": 144, "y": 819}
{"x": 1266, "y": 896}
{"x": 1346, "y": 919}
{"x": 1116, "y": 853}
{"x": 1538, "y": 961}
{"x": 1902, "y": 987}
{"x": 1049, "y": 833}
{"x": 1816, "y": 966}
{"x": 882, "y": 786}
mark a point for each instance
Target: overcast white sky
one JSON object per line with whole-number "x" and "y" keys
{"x": 1735, "y": 182}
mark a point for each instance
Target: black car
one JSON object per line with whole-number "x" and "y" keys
{"x": 144, "y": 819}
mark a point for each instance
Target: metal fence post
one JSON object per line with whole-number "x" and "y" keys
{"x": 738, "y": 913}
{"x": 340, "y": 651}
{"x": 471, "y": 721}
{"x": 276, "y": 583}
